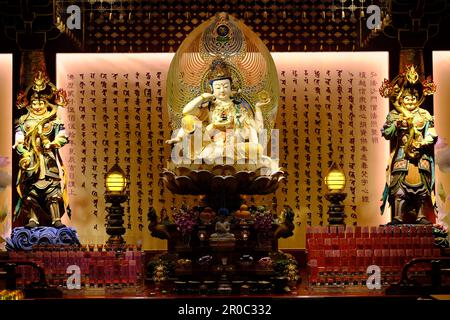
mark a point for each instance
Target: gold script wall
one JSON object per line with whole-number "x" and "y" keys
{"x": 330, "y": 110}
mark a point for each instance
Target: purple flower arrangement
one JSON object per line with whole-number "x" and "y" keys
{"x": 263, "y": 221}
{"x": 185, "y": 220}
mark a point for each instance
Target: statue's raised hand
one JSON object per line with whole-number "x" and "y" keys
{"x": 207, "y": 97}
{"x": 263, "y": 103}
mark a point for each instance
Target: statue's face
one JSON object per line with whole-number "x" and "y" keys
{"x": 222, "y": 89}
{"x": 38, "y": 106}
{"x": 409, "y": 102}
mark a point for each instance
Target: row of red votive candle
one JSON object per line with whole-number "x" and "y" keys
{"x": 341, "y": 256}
{"x": 324, "y": 276}
{"x": 97, "y": 268}
{"x": 399, "y": 231}
{"x": 422, "y": 242}
{"x": 379, "y": 257}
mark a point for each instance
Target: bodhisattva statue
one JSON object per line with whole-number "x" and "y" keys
{"x": 39, "y": 136}
{"x": 410, "y": 128}
{"x": 224, "y": 118}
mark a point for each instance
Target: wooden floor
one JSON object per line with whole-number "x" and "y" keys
{"x": 301, "y": 292}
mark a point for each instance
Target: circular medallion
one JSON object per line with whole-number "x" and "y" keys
{"x": 223, "y": 30}
{"x": 419, "y": 121}
{"x": 263, "y": 95}
{"x": 47, "y": 128}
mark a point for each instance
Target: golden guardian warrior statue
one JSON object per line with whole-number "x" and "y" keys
{"x": 410, "y": 176}
{"x": 40, "y": 133}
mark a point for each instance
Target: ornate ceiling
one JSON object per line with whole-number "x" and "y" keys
{"x": 141, "y": 26}
{"x": 161, "y": 26}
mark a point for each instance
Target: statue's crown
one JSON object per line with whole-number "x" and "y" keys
{"x": 408, "y": 83}
{"x": 219, "y": 70}
{"x": 40, "y": 82}
{"x": 411, "y": 74}
{"x": 41, "y": 89}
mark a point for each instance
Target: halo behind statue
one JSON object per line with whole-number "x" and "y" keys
{"x": 223, "y": 37}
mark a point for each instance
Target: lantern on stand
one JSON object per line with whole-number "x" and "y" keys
{"x": 116, "y": 183}
{"x": 335, "y": 182}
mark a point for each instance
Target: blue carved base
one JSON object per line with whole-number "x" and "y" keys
{"x": 23, "y": 239}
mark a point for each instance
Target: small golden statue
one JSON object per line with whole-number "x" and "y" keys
{"x": 410, "y": 176}
{"x": 41, "y": 182}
